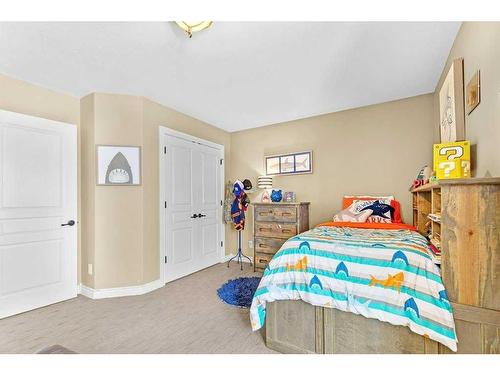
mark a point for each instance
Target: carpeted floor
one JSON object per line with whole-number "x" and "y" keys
{"x": 185, "y": 316}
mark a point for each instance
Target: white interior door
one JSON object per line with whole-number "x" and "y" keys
{"x": 38, "y": 193}
{"x": 208, "y": 202}
{"x": 193, "y": 212}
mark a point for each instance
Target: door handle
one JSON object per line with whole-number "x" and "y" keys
{"x": 194, "y": 216}
{"x": 200, "y": 215}
{"x": 70, "y": 223}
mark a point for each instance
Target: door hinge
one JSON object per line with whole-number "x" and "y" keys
{"x": 165, "y": 259}
{"x": 221, "y": 202}
{"x": 165, "y": 204}
{"x": 221, "y": 161}
{"x": 221, "y": 243}
{"x": 164, "y": 149}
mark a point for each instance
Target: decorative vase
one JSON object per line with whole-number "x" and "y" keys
{"x": 276, "y": 196}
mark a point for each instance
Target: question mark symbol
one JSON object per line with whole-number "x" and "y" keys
{"x": 448, "y": 166}
{"x": 457, "y": 152}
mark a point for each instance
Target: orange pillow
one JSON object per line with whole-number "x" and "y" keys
{"x": 347, "y": 201}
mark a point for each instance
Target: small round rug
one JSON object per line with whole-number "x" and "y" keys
{"x": 239, "y": 292}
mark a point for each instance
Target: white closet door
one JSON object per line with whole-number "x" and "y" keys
{"x": 38, "y": 194}
{"x": 180, "y": 225}
{"x": 193, "y": 213}
{"x": 208, "y": 201}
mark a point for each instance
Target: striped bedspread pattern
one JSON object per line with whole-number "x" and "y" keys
{"x": 381, "y": 274}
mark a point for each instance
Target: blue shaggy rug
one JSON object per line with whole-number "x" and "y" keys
{"x": 239, "y": 292}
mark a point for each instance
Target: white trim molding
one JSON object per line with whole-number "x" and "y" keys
{"x": 135, "y": 290}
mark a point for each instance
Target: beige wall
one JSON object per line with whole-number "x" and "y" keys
{"x": 23, "y": 97}
{"x": 87, "y": 163}
{"x": 118, "y": 209}
{"x": 479, "y": 44}
{"x": 120, "y": 223}
{"x": 377, "y": 149}
{"x": 118, "y": 226}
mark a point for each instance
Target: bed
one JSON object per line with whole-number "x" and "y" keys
{"x": 354, "y": 288}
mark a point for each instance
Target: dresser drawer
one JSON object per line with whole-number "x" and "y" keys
{"x": 262, "y": 260}
{"x": 279, "y": 230}
{"x": 268, "y": 245}
{"x": 286, "y": 214}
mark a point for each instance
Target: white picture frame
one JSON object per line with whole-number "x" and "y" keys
{"x": 118, "y": 165}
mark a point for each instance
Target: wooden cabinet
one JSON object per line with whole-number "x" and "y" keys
{"x": 274, "y": 223}
{"x": 469, "y": 234}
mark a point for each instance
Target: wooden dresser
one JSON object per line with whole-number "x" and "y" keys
{"x": 273, "y": 224}
{"x": 469, "y": 234}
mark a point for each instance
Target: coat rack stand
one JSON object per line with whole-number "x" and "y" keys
{"x": 239, "y": 255}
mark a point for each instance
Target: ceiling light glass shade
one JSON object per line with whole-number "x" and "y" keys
{"x": 191, "y": 27}
{"x": 265, "y": 182}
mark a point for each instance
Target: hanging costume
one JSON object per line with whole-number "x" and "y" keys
{"x": 239, "y": 206}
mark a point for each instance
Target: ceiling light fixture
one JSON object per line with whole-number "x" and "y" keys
{"x": 191, "y": 27}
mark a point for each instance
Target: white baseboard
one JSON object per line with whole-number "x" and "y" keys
{"x": 227, "y": 257}
{"x": 135, "y": 290}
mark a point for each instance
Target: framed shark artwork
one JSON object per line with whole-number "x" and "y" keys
{"x": 285, "y": 164}
{"x": 118, "y": 165}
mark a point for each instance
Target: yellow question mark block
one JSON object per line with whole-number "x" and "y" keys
{"x": 452, "y": 160}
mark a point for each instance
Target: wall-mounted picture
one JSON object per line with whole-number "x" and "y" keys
{"x": 451, "y": 104}
{"x": 293, "y": 163}
{"x": 118, "y": 165}
{"x": 473, "y": 93}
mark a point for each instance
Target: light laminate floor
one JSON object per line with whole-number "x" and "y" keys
{"x": 185, "y": 316}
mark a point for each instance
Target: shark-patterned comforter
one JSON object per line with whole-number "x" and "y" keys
{"x": 382, "y": 274}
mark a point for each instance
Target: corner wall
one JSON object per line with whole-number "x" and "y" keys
{"x": 121, "y": 223}
{"x": 479, "y": 44}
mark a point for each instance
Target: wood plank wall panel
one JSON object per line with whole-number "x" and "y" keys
{"x": 291, "y": 327}
{"x": 478, "y": 330}
{"x": 347, "y": 333}
{"x": 471, "y": 244}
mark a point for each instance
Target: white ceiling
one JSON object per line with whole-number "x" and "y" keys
{"x": 235, "y": 75}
